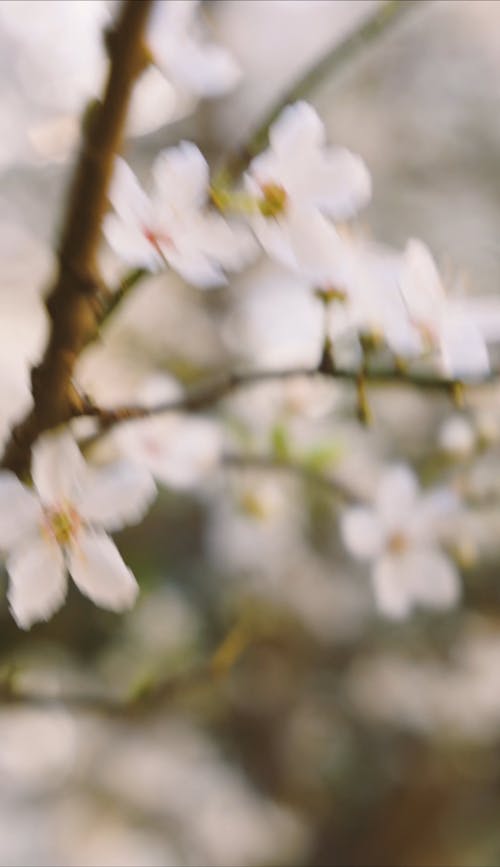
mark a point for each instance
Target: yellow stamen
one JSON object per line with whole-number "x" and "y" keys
{"x": 273, "y": 201}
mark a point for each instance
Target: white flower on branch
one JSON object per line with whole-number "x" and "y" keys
{"x": 192, "y": 64}
{"x": 178, "y": 449}
{"x": 401, "y": 535}
{"x": 298, "y": 182}
{"x": 366, "y": 297}
{"x": 174, "y": 226}
{"x": 456, "y": 329}
{"x": 60, "y": 527}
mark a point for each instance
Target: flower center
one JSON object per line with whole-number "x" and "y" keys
{"x": 254, "y": 506}
{"x": 273, "y": 201}
{"x": 62, "y": 525}
{"x": 329, "y": 294}
{"x": 156, "y": 238}
{"x": 397, "y": 543}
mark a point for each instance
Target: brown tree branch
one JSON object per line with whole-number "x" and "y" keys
{"x": 210, "y": 393}
{"x": 73, "y": 300}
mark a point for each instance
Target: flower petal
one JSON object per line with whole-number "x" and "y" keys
{"x": 298, "y": 129}
{"x": 59, "y": 468}
{"x": 390, "y": 583}
{"x": 130, "y": 244}
{"x": 116, "y": 495}
{"x": 127, "y": 196}
{"x": 188, "y": 457}
{"x": 463, "y": 348}
{"x": 431, "y": 577}
{"x": 203, "y": 69}
{"x": 420, "y": 283}
{"x": 340, "y": 183}
{"x": 397, "y": 496}
{"x": 433, "y": 512}
{"x": 181, "y": 177}
{"x": 37, "y": 586}
{"x": 99, "y": 572}
{"x": 362, "y": 533}
{"x": 20, "y": 510}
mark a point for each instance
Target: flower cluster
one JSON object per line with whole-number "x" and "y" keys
{"x": 294, "y": 206}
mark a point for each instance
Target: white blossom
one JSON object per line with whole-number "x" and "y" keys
{"x": 400, "y": 534}
{"x": 366, "y": 279}
{"x": 61, "y": 526}
{"x": 298, "y": 182}
{"x": 457, "y": 329}
{"x": 178, "y": 449}
{"x": 192, "y": 64}
{"x": 457, "y": 436}
{"x": 174, "y": 225}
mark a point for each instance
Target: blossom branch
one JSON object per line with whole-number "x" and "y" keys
{"x": 376, "y": 25}
{"x": 73, "y": 302}
{"x": 210, "y": 393}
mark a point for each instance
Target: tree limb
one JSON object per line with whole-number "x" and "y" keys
{"x": 73, "y": 300}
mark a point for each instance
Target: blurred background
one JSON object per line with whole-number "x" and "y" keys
{"x": 275, "y": 717}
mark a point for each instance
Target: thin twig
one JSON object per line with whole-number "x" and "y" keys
{"x": 210, "y": 393}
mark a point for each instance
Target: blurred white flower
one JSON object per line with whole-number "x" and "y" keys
{"x": 191, "y": 63}
{"x": 60, "y": 527}
{"x": 178, "y": 449}
{"x": 174, "y": 226}
{"x": 457, "y": 436}
{"x": 400, "y": 533}
{"x": 297, "y": 182}
{"x": 366, "y": 278}
{"x": 275, "y": 321}
{"x": 254, "y": 526}
{"x": 456, "y": 328}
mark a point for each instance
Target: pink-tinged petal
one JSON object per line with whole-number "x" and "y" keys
{"x": 298, "y": 130}
{"x": 431, "y": 578}
{"x": 37, "y": 586}
{"x": 59, "y": 468}
{"x": 99, "y": 572}
{"x": 127, "y": 196}
{"x": 131, "y": 245}
{"x": 20, "y": 510}
{"x": 339, "y": 183}
{"x": 116, "y": 495}
{"x": 397, "y": 497}
{"x": 392, "y": 594}
{"x": 463, "y": 349}
{"x": 181, "y": 177}
{"x": 362, "y": 533}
